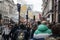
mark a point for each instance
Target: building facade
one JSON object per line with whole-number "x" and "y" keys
{"x": 6, "y": 8}
{"x": 57, "y": 8}
{"x": 15, "y": 14}
{"x": 58, "y": 11}
{"x": 51, "y": 10}
{"x": 47, "y": 10}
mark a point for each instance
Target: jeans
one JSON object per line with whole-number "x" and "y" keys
{"x": 38, "y": 39}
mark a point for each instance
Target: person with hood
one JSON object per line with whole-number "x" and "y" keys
{"x": 42, "y": 31}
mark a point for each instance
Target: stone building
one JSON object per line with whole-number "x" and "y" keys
{"x": 47, "y": 10}
{"x": 58, "y": 11}
{"x": 6, "y": 8}
{"x": 51, "y": 10}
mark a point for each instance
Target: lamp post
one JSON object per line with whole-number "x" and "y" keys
{"x": 27, "y": 16}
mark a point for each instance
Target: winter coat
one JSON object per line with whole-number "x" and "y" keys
{"x": 42, "y": 31}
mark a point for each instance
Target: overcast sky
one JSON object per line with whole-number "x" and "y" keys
{"x": 37, "y": 4}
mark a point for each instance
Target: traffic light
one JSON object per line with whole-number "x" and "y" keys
{"x": 34, "y": 17}
{"x": 18, "y": 7}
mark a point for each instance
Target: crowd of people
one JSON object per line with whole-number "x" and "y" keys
{"x": 39, "y": 30}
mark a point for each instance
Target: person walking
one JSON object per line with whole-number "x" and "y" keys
{"x": 6, "y": 32}
{"x": 56, "y": 30}
{"x": 42, "y": 31}
{"x": 38, "y": 23}
{"x": 27, "y": 32}
{"x": 14, "y": 32}
{"x": 34, "y": 27}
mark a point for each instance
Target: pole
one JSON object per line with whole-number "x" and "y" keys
{"x": 19, "y": 17}
{"x": 27, "y": 13}
{"x": 19, "y": 7}
{"x": 34, "y": 19}
{"x": 27, "y": 16}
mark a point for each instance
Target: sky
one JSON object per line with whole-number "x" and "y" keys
{"x": 37, "y": 4}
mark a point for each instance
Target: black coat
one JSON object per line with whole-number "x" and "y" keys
{"x": 14, "y": 31}
{"x": 23, "y": 27}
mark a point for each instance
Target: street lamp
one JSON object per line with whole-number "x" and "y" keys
{"x": 27, "y": 16}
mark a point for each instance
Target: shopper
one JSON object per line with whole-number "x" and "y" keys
{"x": 14, "y": 32}
{"x": 56, "y": 30}
{"x": 34, "y": 27}
{"x": 6, "y": 32}
{"x": 42, "y": 31}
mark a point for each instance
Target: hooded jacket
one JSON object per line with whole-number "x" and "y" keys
{"x": 42, "y": 30}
